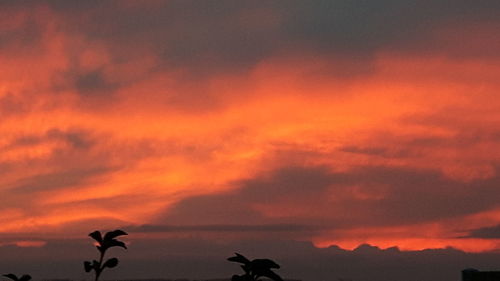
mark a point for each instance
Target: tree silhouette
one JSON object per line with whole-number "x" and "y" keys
{"x": 103, "y": 244}
{"x": 25, "y": 277}
{"x": 255, "y": 269}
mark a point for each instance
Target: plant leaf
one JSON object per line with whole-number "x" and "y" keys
{"x": 11, "y": 276}
{"x": 96, "y": 235}
{"x": 25, "y": 277}
{"x": 113, "y": 262}
{"x": 246, "y": 268}
{"x": 271, "y": 275}
{"x": 239, "y": 258}
{"x": 116, "y": 243}
{"x": 88, "y": 266}
{"x": 96, "y": 265}
{"x": 264, "y": 263}
{"x": 113, "y": 234}
{"x": 106, "y": 244}
{"x": 239, "y": 278}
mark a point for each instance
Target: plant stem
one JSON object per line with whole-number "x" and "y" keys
{"x": 98, "y": 271}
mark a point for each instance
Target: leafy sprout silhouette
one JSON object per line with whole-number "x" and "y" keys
{"x": 25, "y": 277}
{"x": 103, "y": 244}
{"x": 255, "y": 269}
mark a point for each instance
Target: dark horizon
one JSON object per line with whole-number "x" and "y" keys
{"x": 198, "y": 258}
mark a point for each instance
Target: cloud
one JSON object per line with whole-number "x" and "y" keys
{"x": 365, "y": 150}
{"x": 492, "y": 232}
{"x": 92, "y": 83}
{"x": 237, "y": 206}
{"x": 77, "y": 139}
{"x": 220, "y": 228}
{"x": 337, "y": 203}
{"x": 227, "y": 36}
{"x": 58, "y": 180}
{"x": 240, "y": 115}
{"x": 364, "y": 196}
{"x": 18, "y": 32}
{"x": 11, "y": 105}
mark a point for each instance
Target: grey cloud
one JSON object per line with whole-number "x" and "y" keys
{"x": 213, "y": 36}
{"x": 78, "y": 139}
{"x": 363, "y": 26}
{"x": 211, "y": 209}
{"x": 379, "y": 151}
{"x": 389, "y": 196}
{"x": 93, "y": 83}
{"x": 23, "y": 38}
{"x": 89, "y": 84}
{"x": 237, "y": 34}
{"x": 57, "y": 180}
{"x": 492, "y": 232}
{"x": 236, "y": 206}
{"x": 147, "y": 228}
{"x": 11, "y": 105}
{"x": 199, "y": 40}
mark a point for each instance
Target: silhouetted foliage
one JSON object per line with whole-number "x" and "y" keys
{"x": 14, "y": 277}
{"x": 103, "y": 244}
{"x": 255, "y": 269}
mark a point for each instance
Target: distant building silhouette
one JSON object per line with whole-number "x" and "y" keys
{"x": 476, "y": 275}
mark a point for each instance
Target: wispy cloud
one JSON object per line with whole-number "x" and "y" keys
{"x": 222, "y": 228}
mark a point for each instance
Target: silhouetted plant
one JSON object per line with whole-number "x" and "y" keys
{"x": 14, "y": 277}
{"x": 255, "y": 269}
{"x": 103, "y": 244}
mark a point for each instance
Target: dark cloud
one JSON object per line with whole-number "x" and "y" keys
{"x": 212, "y": 209}
{"x": 93, "y": 83}
{"x": 492, "y": 232}
{"x": 57, "y": 180}
{"x": 235, "y": 35}
{"x": 23, "y": 38}
{"x": 77, "y": 139}
{"x": 12, "y": 105}
{"x": 366, "y": 196}
{"x": 362, "y": 27}
{"x": 237, "y": 206}
{"x": 147, "y": 228}
{"x": 88, "y": 84}
{"x": 200, "y": 40}
{"x": 379, "y": 151}
{"x": 385, "y": 151}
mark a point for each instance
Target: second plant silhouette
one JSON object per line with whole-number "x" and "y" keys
{"x": 13, "y": 277}
{"x": 255, "y": 269}
{"x": 103, "y": 244}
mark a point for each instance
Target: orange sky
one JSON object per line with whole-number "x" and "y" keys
{"x": 393, "y": 143}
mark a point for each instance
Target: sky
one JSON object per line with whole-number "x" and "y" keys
{"x": 364, "y": 134}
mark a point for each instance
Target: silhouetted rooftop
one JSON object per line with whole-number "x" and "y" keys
{"x": 471, "y": 274}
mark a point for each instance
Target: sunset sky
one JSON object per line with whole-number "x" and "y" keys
{"x": 329, "y": 123}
